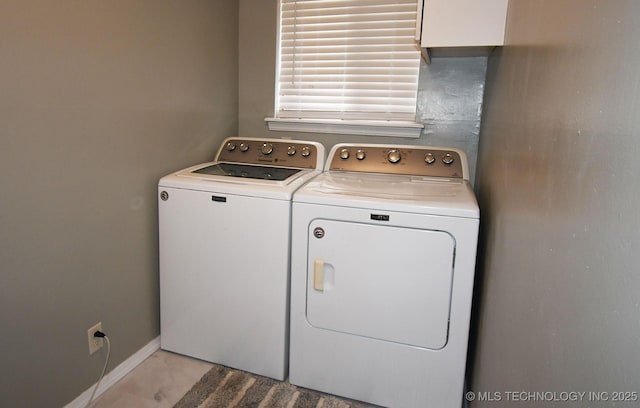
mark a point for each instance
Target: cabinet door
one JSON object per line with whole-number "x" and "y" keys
{"x": 463, "y": 23}
{"x": 383, "y": 282}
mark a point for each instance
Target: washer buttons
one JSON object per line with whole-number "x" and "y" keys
{"x": 429, "y": 158}
{"x": 267, "y": 148}
{"x": 394, "y": 156}
{"x": 448, "y": 159}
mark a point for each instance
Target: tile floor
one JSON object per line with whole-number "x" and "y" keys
{"x": 159, "y": 381}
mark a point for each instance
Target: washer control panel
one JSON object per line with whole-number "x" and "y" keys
{"x": 407, "y": 160}
{"x": 285, "y": 153}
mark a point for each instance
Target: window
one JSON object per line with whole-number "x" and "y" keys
{"x": 347, "y": 66}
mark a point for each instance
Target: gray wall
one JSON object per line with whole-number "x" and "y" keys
{"x": 449, "y": 97}
{"x": 559, "y": 283}
{"x": 98, "y": 100}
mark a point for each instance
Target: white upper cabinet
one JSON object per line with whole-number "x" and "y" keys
{"x": 462, "y": 23}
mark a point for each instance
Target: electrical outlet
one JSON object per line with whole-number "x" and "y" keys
{"x": 95, "y": 343}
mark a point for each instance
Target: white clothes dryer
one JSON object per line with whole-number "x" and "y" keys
{"x": 224, "y": 231}
{"x": 382, "y": 269}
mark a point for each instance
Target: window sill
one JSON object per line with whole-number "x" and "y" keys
{"x": 361, "y": 127}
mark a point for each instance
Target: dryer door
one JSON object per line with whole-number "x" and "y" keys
{"x": 383, "y": 282}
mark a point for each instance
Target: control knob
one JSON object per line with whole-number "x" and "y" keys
{"x": 306, "y": 151}
{"x": 447, "y": 158}
{"x": 244, "y": 147}
{"x": 360, "y": 154}
{"x": 267, "y": 148}
{"x": 344, "y": 154}
{"x": 230, "y": 146}
{"x": 291, "y": 150}
{"x": 429, "y": 158}
{"x": 394, "y": 156}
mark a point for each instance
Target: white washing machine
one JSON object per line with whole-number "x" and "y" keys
{"x": 383, "y": 255}
{"x": 224, "y": 253}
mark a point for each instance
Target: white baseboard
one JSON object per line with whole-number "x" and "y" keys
{"x": 116, "y": 374}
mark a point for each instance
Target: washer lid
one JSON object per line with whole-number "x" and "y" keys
{"x": 246, "y": 171}
{"x": 426, "y": 195}
{"x": 207, "y": 180}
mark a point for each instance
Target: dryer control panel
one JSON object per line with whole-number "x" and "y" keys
{"x": 393, "y": 159}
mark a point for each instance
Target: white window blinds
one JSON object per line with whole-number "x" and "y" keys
{"x": 348, "y": 59}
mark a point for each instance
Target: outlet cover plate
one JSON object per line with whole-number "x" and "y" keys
{"x": 95, "y": 343}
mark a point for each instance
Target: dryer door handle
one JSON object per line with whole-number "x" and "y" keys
{"x": 318, "y": 274}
